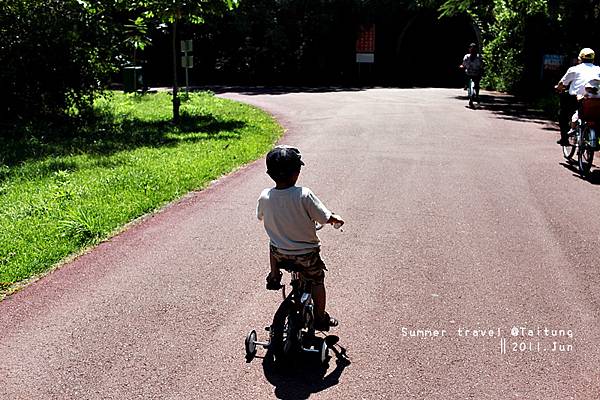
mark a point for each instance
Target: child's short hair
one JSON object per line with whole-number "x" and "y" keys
{"x": 283, "y": 161}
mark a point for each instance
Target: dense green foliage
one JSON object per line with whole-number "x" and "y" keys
{"x": 173, "y": 12}
{"x": 57, "y": 55}
{"x": 54, "y": 55}
{"x": 517, "y": 33}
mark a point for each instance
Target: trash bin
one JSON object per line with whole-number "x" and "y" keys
{"x": 132, "y": 78}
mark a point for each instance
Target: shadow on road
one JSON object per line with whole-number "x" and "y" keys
{"x": 593, "y": 177}
{"x": 303, "y": 376}
{"x": 279, "y": 90}
{"x": 508, "y": 107}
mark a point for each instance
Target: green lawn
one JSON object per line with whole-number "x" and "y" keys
{"x": 62, "y": 193}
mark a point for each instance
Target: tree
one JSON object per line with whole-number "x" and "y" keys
{"x": 55, "y": 55}
{"x": 511, "y": 37}
{"x": 173, "y": 13}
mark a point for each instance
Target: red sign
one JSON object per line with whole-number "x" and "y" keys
{"x": 365, "y": 43}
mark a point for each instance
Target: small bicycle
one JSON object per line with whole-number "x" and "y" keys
{"x": 292, "y": 330}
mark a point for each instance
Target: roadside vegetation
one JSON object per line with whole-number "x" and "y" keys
{"x": 61, "y": 192}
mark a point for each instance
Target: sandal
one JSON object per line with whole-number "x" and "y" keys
{"x": 274, "y": 282}
{"x": 326, "y": 323}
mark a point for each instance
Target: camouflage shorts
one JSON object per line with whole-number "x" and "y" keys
{"x": 310, "y": 265}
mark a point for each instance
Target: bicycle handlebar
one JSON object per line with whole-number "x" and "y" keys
{"x": 336, "y": 225}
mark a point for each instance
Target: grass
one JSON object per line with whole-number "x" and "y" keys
{"x": 62, "y": 190}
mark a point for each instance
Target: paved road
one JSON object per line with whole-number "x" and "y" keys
{"x": 457, "y": 220}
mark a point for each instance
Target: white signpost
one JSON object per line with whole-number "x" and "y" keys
{"x": 187, "y": 62}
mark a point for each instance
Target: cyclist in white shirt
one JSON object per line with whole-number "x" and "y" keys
{"x": 576, "y": 79}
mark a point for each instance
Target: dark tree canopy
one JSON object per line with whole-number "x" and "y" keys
{"x": 55, "y": 54}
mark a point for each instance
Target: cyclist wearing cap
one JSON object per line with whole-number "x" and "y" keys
{"x": 576, "y": 79}
{"x": 289, "y": 213}
{"x": 472, "y": 63}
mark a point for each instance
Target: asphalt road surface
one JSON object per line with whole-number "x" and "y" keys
{"x": 465, "y": 224}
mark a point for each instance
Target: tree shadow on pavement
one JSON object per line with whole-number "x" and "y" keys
{"x": 279, "y": 90}
{"x": 299, "y": 378}
{"x": 512, "y": 108}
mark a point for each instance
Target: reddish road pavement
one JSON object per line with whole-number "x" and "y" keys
{"x": 465, "y": 222}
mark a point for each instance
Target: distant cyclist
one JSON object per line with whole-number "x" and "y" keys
{"x": 576, "y": 79}
{"x": 472, "y": 64}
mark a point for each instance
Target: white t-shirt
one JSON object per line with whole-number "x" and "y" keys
{"x": 578, "y": 75}
{"x": 289, "y": 217}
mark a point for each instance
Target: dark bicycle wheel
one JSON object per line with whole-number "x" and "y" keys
{"x": 292, "y": 334}
{"x": 585, "y": 154}
{"x": 568, "y": 152}
{"x": 285, "y": 330}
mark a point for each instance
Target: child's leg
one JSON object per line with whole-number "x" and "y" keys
{"x": 320, "y": 299}
{"x": 314, "y": 270}
{"x": 275, "y": 271}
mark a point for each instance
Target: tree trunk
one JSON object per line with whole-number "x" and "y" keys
{"x": 176, "y": 101}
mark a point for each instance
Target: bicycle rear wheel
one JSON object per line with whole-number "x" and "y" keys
{"x": 585, "y": 154}
{"x": 284, "y": 331}
{"x": 568, "y": 152}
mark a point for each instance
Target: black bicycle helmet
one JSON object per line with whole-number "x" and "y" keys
{"x": 283, "y": 160}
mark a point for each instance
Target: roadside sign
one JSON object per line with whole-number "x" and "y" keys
{"x": 186, "y": 46}
{"x": 367, "y": 58}
{"x": 553, "y": 65}
{"x": 187, "y": 61}
{"x": 365, "y": 44}
{"x": 553, "y": 62}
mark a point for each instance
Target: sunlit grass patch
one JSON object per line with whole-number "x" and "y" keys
{"x": 65, "y": 192}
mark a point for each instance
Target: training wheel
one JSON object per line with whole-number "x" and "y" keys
{"x": 251, "y": 344}
{"x": 324, "y": 352}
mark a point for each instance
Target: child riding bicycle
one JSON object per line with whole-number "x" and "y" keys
{"x": 289, "y": 213}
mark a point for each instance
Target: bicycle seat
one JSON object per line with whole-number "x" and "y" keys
{"x": 289, "y": 266}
